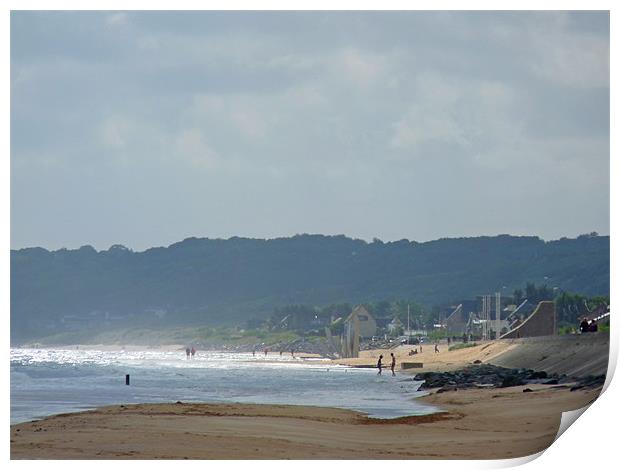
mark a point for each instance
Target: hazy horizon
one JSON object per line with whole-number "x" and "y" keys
{"x": 145, "y": 128}
{"x": 104, "y": 248}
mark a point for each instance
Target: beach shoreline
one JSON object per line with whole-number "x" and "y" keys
{"x": 180, "y": 348}
{"x": 474, "y": 424}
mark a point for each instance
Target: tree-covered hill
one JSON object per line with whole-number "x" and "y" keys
{"x": 215, "y": 281}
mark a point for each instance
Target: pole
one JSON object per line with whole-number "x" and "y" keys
{"x": 126, "y": 379}
{"x": 408, "y": 329}
{"x": 498, "y": 313}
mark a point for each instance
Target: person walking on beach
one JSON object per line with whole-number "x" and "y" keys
{"x": 436, "y": 348}
{"x": 393, "y": 363}
{"x": 379, "y": 365}
{"x": 187, "y": 352}
{"x": 193, "y": 351}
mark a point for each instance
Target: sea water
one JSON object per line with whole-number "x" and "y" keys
{"x": 50, "y": 381}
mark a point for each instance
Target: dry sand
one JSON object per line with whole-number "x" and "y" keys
{"x": 476, "y": 424}
{"x": 443, "y": 361}
{"x": 573, "y": 355}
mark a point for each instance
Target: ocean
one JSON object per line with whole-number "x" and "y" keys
{"x": 51, "y": 381}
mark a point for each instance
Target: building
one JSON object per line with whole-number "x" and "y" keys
{"x": 367, "y": 323}
{"x": 359, "y": 324}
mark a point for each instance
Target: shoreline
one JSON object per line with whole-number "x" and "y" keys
{"x": 159, "y": 348}
{"x": 474, "y": 424}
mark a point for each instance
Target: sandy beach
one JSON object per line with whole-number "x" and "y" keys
{"x": 476, "y": 424}
{"x": 445, "y": 360}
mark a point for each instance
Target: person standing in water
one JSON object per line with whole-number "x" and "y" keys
{"x": 393, "y": 363}
{"x": 379, "y": 365}
{"x": 193, "y": 352}
{"x": 187, "y": 352}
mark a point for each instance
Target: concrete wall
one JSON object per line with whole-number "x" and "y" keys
{"x": 574, "y": 355}
{"x": 542, "y": 322}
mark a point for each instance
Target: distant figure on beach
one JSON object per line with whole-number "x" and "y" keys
{"x": 193, "y": 351}
{"x": 187, "y": 352}
{"x": 280, "y": 352}
{"x": 448, "y": 341}
{"x": 266, "y": 351}
{"x": 393, "y": 363}
{"x": 253, "y": 352}
{"x": 379, "y": 365}
{"x": 436, "y": 348}
{"x": 292, "y": 352}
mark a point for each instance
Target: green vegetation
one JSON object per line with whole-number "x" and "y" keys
{"x": 437, "y": 335}
{"x": 228, "y": 282}
{"x": 212, "y": 337}
{"x": 570, "y": 306}
{"x": 567, "y": 330}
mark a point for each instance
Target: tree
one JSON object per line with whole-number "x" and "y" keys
{"x": 518, "y": 296}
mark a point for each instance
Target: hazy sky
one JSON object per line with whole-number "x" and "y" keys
{"x": 145, "y": 128}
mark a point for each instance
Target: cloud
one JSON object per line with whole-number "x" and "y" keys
{"x": 192, "y": 146}
{"x": 315, "y": 108}
{"x": 116, "y": 19}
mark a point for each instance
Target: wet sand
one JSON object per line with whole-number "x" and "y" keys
{"x": 476, "y": 424}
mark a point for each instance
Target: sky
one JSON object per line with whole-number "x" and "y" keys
{"x": 145, "y": 128}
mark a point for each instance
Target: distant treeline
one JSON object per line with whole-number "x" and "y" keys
{"x": 227, "y": 282}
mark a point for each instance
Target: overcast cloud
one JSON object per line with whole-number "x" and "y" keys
{"x": 145, "y": 128}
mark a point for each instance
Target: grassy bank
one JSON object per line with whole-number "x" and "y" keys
{"x": 206, "y": 337}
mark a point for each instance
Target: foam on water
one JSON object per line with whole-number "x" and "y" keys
{"x": 50, "y": 381}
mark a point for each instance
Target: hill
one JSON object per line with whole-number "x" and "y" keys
{"x": 215, "y": 281}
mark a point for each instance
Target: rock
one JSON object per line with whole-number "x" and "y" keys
{"x": 512, "y": 381}
{"x": 551, "y": 382}
{"x": 447, "y": 389}
{"x": 539, "y": 375}
{"x": 477, "y": 361}
{"x": 526, "y": 390}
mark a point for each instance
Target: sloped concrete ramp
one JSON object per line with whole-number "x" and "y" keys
{"x": 573, "y": 355}
{"x": 542, "y": 322}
